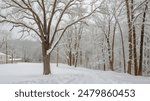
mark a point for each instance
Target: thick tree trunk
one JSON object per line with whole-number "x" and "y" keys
{"x": 46, "y": 60}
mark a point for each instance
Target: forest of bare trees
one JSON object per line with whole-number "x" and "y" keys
{"x": 98, "y": 34}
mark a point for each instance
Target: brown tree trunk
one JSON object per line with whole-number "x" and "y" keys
{"x": 70, "y": 58}
{"x": 142, "y": 40}
{"x": 134, "y": 39}
{"x": 73, "y": 59}
{"x": 109, "y": 52}
{"x": 109, "y": 47}
{"x": 81, "y": 58}
{"x": 76, "y": 59}
{"x": 135, "y": 52}
{"x": 129, "y": 35}
{"x": 46, "y": 59}
{"x": 110, "y": 58}
{"x": 103, "y": 54}
{"x": 104, "y": 67}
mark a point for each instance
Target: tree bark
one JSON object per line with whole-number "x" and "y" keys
{"x": 109, "y": 47}
{"x": 135, "y": 52}
{"x": 70, "y": 58}
{"x": 134, "y": 39}
{"x": 142, "y": 40}
{"x": 46, "y": 59}
{"x": 129, "y": 35}
{"x": 80, "y": 58}
{"x": 109, "y": 51}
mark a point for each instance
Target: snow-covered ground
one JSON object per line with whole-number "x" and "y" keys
{"x": 32, "y": 73}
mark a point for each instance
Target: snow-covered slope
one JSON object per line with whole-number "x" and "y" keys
{"x": 32, "y": 73}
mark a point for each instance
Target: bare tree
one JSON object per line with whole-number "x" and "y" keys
{"x": 134, "y": 38}
{"x": 142, "y": 38}
{"x": 44, "y": 18}
{"x": 129, "y": 35}
{"x": 71, "y": 41}
{"x": 108, "y": 21}
{"x": 105, "y": 23}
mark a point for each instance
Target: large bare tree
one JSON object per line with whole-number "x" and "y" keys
{"x": 45, "y": 18}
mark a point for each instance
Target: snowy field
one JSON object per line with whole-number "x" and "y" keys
{"x": 31, "y": 73}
